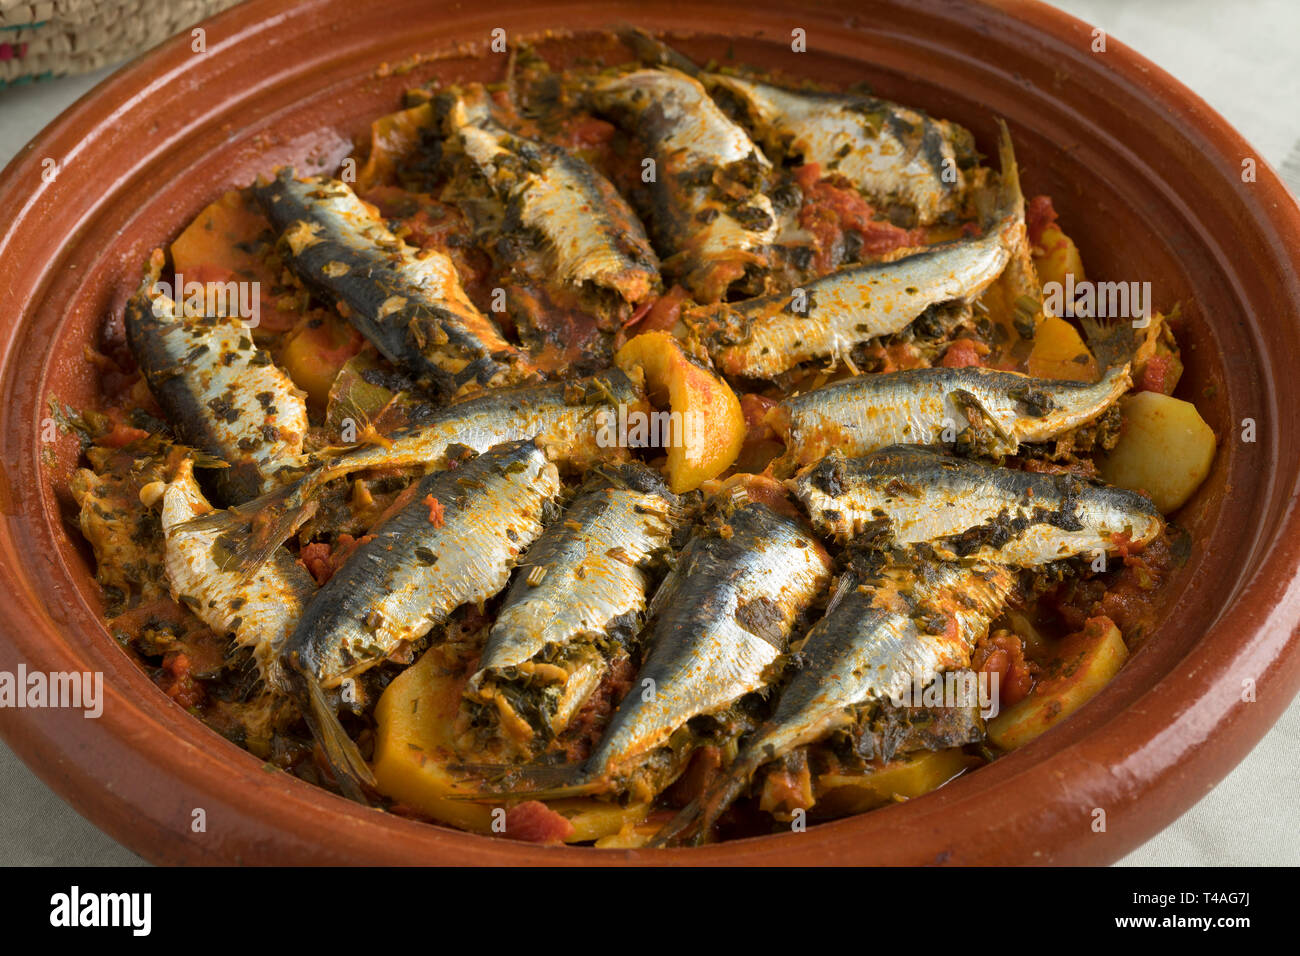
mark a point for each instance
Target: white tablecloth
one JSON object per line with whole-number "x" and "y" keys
{"x": 1243, "y": 59}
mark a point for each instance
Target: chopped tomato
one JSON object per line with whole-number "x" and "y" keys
{"x": 893, "y": 357}
{"x": 534, "y": 822}
{"x": 316, "y": 559}
{"x": 807, "y": 176}
{"x": 323, "y": 560}
{"x": 121, "y": 433}
{"x": 964, "y": 353}
{"x": 178, "y": 682}
{"x": 832, "y": 207}
{"x": 1154, "y": 374}
{"x": 1038, "y": 216}
{"x": 664, "y": 313}
{"x": 436, "y": 511}
{"x": 585, "y": 131}
{"x": 755, "y": 408}
{"x": 1003, "y": 653}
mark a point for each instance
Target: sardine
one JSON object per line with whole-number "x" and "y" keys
{"x": 594, "y": 239}
{"x": 721, "y": 619}
{"x": 768, "y": 335}
{"x": 884, "y": 634}
{"x": 893, "y": 154}
{"x": 260, "y": 613}
{"x": 710, "y": 219}
{"x": 575, "y": 605}
{"x": 983, "y": 409}
{"x": 222, "y": 394}
{"x": 453, "y": 543}
{"x": 569, "y": 421}
{"x": 407, "y": 302}
{"x": 970, "y": 510}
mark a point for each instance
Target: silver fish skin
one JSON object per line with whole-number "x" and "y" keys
{"x": 989, "y": 410}
{"x": 889, "y": 152}
{"x": 222, "y": 394}
{"x": 567, "y": 419}
{"x": 260, "y": 613}
{"x": 970, "y": 510}
{"x": 874, "y": 643}
{"x": 704, "y": 234}
{"x": 413, "y": 573}
{"x": 584, "y": 579}
{"x": 592, "y": 235}
{"x": 408, "y": 303}
{"x": 721, "y": 620}
{"x": 768, "y": 335}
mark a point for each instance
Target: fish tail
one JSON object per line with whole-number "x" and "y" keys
{"x": 1009, "y": 202}
{"x": 1111, "y": 340}
{"x": 350, "y": 769}
{"x": 540, "y": 782}
{"x": 653, "y": 51}
{"x": 694, "y": 822}
{"x": 249, "y": 534}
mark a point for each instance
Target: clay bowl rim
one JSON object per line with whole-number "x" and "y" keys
{"x": 100, "y": 768}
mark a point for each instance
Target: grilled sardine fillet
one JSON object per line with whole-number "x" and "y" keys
{"x": 988, "y": 410}
{"x": 710, "y": 218}
{"x": 893, "y": 154}
{"x": 721, "y": 619}
{"x": 593, "y": 237}
{"x": 221, "y": 393}
{"x": 966, "y": 509}
{"x": 898, "y": 628}
{"x": 576, "y": 603}
{"x": 452, "y": 543}
{"x": 568, "y": 420}
{"x": 408, "y": 303}
{"x": 260, "y": 612}
{"x": 765, "y": 336}
{"x": 768, "y": 335}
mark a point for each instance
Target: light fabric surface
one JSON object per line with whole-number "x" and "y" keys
{"x": 1242, "y": 59}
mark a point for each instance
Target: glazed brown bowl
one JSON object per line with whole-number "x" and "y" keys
{"x": 1147, "y": 178}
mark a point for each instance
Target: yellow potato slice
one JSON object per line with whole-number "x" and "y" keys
{"x": 913, "y": 775}
{"x": 708, "y": 426}
{"x": 414, "y": 756}
{"x": 1087, "y": 662}
{"x": 392, "y": 138}
{"x": 1060, "y": 353}
{"x": 316, "y": 350}
{"x": 1058, "y": 257}
{"x": 1165, "y": 450}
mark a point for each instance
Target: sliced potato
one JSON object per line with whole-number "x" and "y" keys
{"x": 413, "y": 743}
{"x": 631, "y": 837}
{"x": 913, "y": 775}
{"x": 414, "y": 754}
{"x": 1086, "y": 663}
{"x": 316, "y": 350}
{"x": 1060, "y": 353}
{"x": 1165, "y": 449}
{"x": 1058, "y": 257}
{"x": 220, "y": 245}
{"x": 392, "y": 138}
{"x": 215, "y": 246}
{"x": 708, "y": 427}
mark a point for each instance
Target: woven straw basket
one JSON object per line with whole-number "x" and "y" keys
{"x": 49, "y": 38}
